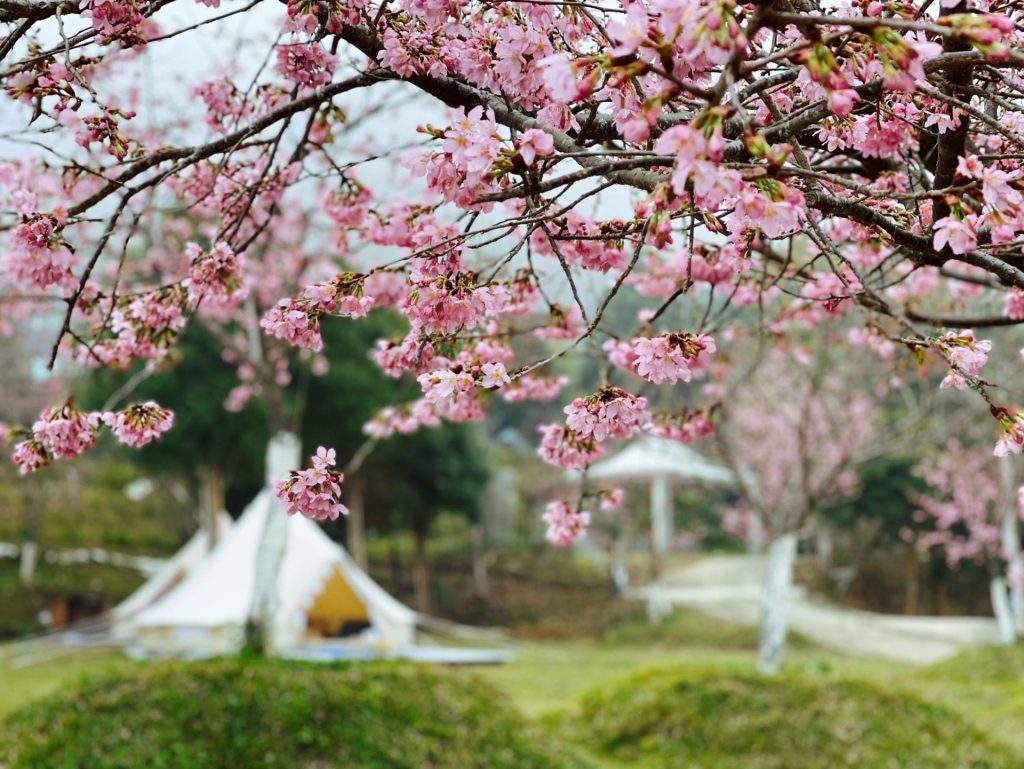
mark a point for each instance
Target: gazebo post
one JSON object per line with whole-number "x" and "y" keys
{"x": 661, "y": 514}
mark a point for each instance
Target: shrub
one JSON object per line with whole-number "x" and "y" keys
{"x": 664, "y": 718}
{"x": 228, "y": 714}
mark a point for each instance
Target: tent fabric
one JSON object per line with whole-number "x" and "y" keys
{"x": 214, "y": 601}
{"x": 174, "y": 571}
{"x": 653, "y": 457}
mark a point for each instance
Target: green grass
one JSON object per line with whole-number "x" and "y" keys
{"x": 687, "y": 628}
{"x": 549, "y": 677}
{"x": 981, "y": 691}
{"x": 28, "y": 675}
{"x": 665, "y": 718}
{"x": 986, "y": 684}
{"x": 228, "y": 714}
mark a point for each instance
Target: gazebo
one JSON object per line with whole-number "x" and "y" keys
{"x": 660, "y": 462}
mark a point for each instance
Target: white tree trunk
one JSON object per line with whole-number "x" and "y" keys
{"x": 755, "y": 534}
{"x": 1001, "y": 608}
{"x": 778, "y": 583}
{"x": 661, "y": 514}
{"x": 1010, "y": 541}
{"x": 823, "y": 545}
{"x": 478, "y": 550}
{"x": 283, "y": 455}
{"x": 1017, "y": 607}
{"x": 27, "y": 565}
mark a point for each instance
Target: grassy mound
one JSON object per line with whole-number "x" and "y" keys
{"x": 228, "y": 714}
{"x": 662, "y": 718}
{"x": 983, "y": 665}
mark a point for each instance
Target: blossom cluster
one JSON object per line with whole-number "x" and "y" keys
{"x": 565, "y": 525}
{"x": 215, "y": 276}
{"x": 452, "y": 391}
{"x": 1011, "y": 431}
{"x": 314, "y": 492}
{"x": 685, "y": 428}
{"x": 297, "y": 320}
{"x": 65, "y": 431}
{"x": 609, "y": 413}
{"x": 966, "y": 356}
{"x": 402, "y": 420}
{"x": 141, "y": 326}
{"x": 37, "y": 254}
{"x": 139, "y": 424}
{"x": 671, "y": 358}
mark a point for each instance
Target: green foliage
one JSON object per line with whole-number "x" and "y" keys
{"x": 228, "y": 714}
{"x": 83, "y": 504}
{"x": 337, "y": 404}
{"x": 664, "y": 718}
{"x": 21, "y": 605}
{"x": 194, "y": 388}
{"x": 982, "y": 665}
{"x": 887, "y": 485}
{"x": 415, "y": 477}
{"x": 682, "y": 628}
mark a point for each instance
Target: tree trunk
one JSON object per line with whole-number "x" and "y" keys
{"x": 755, "y": 534}
{"x": 355, "y": 522}
{"x": 940, "y": 586}
{"x": 911, "y": 569}
{"x": 421, "y": 571}
{"x": 1017, "y": 605}
{"x": 479, "y": 556}
{"x": 661, "y": 515}
{"x": 27, "y": 564}
{"x": 1010, "y": 541}
{"x": 211, "y": 500}
{"x": 283, "y": 455}
{"x": 823, "y": 546}
{"x": 778, "y": 583}
{"x": 30, "y": 545}
{"x": 1001, "y": 610}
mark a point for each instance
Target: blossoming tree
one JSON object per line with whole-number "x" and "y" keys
{"x": 972, "y": 513}
{"x": 794, "y": 437}
{"x": 763, "y": 165}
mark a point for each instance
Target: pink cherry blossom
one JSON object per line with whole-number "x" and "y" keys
{"x": 565, "y": 525}
{"x": 139, "y": 424}
{"x": 958, "y": 234}
{"x": 303, "y": 65}
{"x": 65, "y": 431}
{"x": 534, "y": 143}
{"x": 1011, "y": 431}
{"x": 567, "y": 449}
{"x": 671, "y": 358}
{"x": 610, "y": 413}
{"x": 314, "y": 492}
{"x": 29, "y": 455}
{"x": 611, "y": 499}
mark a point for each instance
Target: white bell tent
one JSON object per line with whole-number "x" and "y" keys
{"x": 660, "y": 462}
{"x": 167, "y": 577}
{"x": 321, "y": 592}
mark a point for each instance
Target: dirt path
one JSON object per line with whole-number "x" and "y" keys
{"x": 728, "y": 587}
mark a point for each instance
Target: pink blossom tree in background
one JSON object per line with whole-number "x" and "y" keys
{"x": 972, "y": 513}
{"x": 793, "y": 435}
{"x": 761, "y": 166}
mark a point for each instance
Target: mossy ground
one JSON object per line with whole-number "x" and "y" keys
{"x": 703, "y": 707}
{"x": 664, "y": 718}
{"x": 228, "y": 714}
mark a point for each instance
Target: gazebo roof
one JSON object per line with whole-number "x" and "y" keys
{"x": 651, "y": 457}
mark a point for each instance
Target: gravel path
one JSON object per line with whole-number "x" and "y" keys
{"x": 728, "y": 587}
